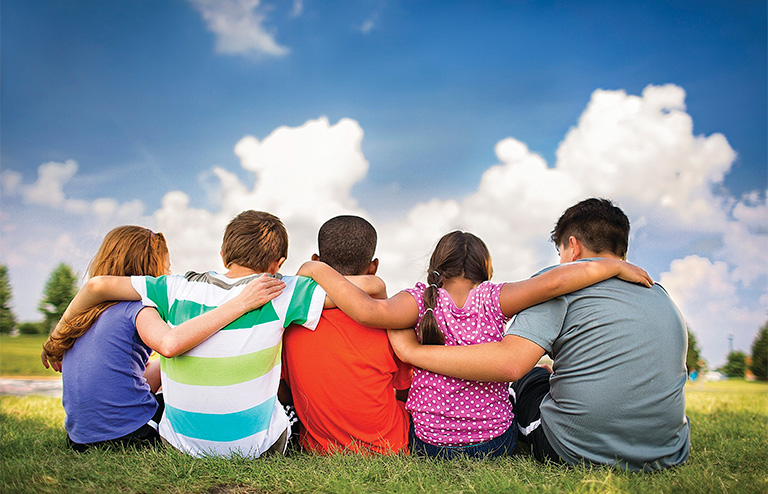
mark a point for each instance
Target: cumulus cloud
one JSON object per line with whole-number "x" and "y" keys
{"x": 304, "y": 175}
{"x": 707, "y": 297}
{"x": 48, "y": 190}
{"x": 239, "y": 26}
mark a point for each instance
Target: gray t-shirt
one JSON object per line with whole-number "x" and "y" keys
{"x": 617, "y": 393}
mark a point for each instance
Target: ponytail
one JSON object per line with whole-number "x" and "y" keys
{"x": 456, "y": 254}
{"x": 429, "y": 331}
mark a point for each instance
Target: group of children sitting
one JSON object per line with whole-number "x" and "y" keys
{"x": 238, "y": 347}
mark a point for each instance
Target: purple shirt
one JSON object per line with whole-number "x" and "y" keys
{"x": 105, "y": 394}
{"x": 455, "y": 412}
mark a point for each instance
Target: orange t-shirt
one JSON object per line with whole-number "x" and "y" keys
{"x": 343, "y": 377}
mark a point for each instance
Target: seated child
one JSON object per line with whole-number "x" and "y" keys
{"x": 221, "y": 396}
{"x": 343, "y": 376}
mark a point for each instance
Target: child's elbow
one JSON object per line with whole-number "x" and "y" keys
{"x": 510, "y": 371}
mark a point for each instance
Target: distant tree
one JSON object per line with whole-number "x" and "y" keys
{"x": 59, "y": 291}
{"x": 693, "y": 359}
{"x": 759, "y": 365}
{"x": 7, "y": 319}
{"x": 32, "y": 328}
{"x": 737, "y": 364}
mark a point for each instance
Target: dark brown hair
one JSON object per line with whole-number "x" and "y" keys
{"x": 254, "y": 240}
{"x": 125, "y": 251}
{"x": 456, "y": 254}
{"x": 598, "y": 223}
{"x": 347, "y": 244}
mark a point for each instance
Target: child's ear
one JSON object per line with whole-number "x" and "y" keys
{"x": 275, "y": 266}
{"x": 373, "y": 267}
{"x": 315, "y": 257}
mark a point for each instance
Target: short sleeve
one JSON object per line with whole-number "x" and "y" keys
{"x": 306, "y": 303}
{"x": 541, "y": 323}
{"x": 404, "y": 374}
{"x": 153, "y": 293}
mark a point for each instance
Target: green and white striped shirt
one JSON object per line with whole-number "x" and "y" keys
{"x": 221, "y": 396}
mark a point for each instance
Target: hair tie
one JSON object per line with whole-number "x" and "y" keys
{"x": 429, "y": 309}
{"x": 432, "y": 284}
{"x": 436, "y": 273}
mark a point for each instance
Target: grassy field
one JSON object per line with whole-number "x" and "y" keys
{"x": 730, "y": 454}
{"x": 20, "y": 356}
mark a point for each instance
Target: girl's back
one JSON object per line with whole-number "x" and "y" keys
{"x": 104, "y": 393}
{"x": 455, "y": 412}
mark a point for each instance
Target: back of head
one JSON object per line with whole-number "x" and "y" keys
{"x": 347, "y": 244}
{"x": 254, "y": 240}
{"x": 130, "y": 251}
{"x": 460, "y": 254}
{"x": 598, "y": 223}
{"x": 125, "y": 251}
{"x": 457, "y": 254}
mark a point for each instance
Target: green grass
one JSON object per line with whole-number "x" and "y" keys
{"x": 729, "y": 454}
{"x": 20, "y": 356}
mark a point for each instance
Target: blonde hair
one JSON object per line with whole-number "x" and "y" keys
{"x": 125, "y": 251}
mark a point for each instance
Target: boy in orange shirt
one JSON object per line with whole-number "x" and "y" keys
{"x": 344, "y": 377}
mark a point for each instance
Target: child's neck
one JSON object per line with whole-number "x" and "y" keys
{"x": 238, "y": 271}
{"x": 458, "y": 288}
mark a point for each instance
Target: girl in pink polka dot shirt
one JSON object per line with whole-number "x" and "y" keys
{"x": 460, "y": 306}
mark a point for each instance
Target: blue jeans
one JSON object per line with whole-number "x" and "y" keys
{"x": 498, "y": 446}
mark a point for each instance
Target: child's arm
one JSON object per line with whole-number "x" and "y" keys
{"x": 169, "y": 342}
{"x": 399, "y": 311}
{"x": 500, "y": 361}
{"x": 104, "y": 288}
{"x": 566, "y": 278}
{"x": 95, "y": 291}
{"x": 370, "y": 284}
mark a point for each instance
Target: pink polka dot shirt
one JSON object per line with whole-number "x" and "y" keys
{"x": 455, "y": 412}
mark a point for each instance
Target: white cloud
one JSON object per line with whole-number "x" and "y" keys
{"x": 48, "y": 190}
{"x": 643, "y": 148}
{"x": 239, "y": 26}
{"x": 707, "y": 297}
{"x": 304, "y": 175}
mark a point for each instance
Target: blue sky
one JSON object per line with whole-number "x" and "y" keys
{"x": 143, "y": 98}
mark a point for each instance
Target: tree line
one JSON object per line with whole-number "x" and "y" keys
{"x": 61, "y": 288}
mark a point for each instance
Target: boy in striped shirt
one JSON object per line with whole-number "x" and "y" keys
{"x": 221, "y": 396}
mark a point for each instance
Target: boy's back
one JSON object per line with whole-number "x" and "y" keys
{"x": 220, "y": 397}
{"x": 343, "y": 375}
{"x": 343, "y": 378}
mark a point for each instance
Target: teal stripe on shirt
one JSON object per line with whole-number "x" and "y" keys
{"x": 184, "y": 310}
{"x": 222, "y": 427}
{"x": 221, "y": 371}
{"x": 157, "y": 292}
{"x": 298, "y": 309}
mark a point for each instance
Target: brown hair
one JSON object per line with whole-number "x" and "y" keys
{"x": 347, "y": 244}
{"x": 125, "y": 251}
{"x": 456, "y": 254}
{"x": 254, "y": 240}
{"x": 598, "y": 223}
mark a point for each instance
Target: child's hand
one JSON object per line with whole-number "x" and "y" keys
{"x": 630, "y": 272}
{"x": 260, "y": 291}
{"x": 50, "y": 364}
